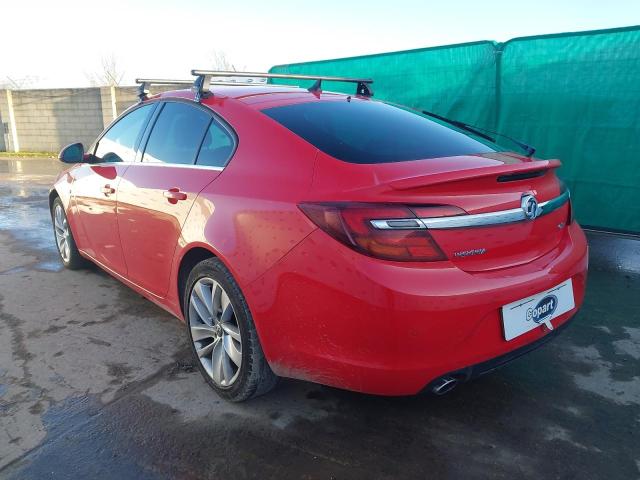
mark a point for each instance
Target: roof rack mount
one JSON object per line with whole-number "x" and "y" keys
{"x": 203, "y": 81}
{"x": 145, "y": 83}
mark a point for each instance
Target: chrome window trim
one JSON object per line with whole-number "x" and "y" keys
{"x": 156, "y": 164}
{"x": 180, "y": 165}
{"x": 477, "y": 220}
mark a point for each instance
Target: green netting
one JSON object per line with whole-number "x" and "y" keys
{"x": 575, "y": 96}
{"x": 457, "y": 80}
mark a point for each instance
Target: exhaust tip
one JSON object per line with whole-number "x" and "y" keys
{"x": 444, "y": 385}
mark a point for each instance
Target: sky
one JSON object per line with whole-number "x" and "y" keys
{"x": 63, "y": 43}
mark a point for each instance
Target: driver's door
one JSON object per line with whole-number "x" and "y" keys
{"x": 95, "y": 188}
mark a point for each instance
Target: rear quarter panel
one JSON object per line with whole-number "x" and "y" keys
{"x": 248, "y": 217}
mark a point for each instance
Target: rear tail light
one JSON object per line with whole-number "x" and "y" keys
{"x": 388, "y": 232}
{"x": 570, "y": 213}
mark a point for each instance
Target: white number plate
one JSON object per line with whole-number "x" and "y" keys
{"x": 523, "y": 315}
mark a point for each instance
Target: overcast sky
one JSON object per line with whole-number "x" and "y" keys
{"x": 62, "y": 42}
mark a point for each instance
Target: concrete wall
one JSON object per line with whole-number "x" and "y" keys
{"x": 47, "y": 120}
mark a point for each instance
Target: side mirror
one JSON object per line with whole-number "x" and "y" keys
{"x": 73, "y": 153}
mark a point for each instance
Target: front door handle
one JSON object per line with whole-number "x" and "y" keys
{"x": 174, "y": 194}
{"x": 108, "y": 190}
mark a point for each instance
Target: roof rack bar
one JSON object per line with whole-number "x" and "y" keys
{"x": 160, "y": 81}
{"x": 202, "y": 83}
{"x": 145, "y": 83}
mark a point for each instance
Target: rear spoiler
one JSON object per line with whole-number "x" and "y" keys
{"x": 460, "y": 175}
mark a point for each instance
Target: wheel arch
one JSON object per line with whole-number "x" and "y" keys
{"x": 53, "y": 194}
{"x": 193, "y": 255}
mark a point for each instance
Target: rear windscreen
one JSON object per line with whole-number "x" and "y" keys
{"x": 361, "y": 131}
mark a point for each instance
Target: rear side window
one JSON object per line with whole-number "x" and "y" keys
{"x": 361, "y": 131}
{"x": 217, "y": 146}
{"x": 177, "y": 134}
{"x": 119, "y": 143}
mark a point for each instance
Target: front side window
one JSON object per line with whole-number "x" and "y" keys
{"x": 217, "y": 146}
{"x": 119, "y": 143}
{"x": 362, "y": 131}
{"x": 177, "y": 134}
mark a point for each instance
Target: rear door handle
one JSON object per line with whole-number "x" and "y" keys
{"x": 108, "y": 190}
{"x": 174, "y": 194}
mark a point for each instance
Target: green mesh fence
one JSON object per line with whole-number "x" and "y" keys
{"x": 575, "y": 96}
{"x": 457, "y": 80}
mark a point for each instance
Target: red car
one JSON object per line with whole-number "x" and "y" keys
{"x": 323, "y": 236}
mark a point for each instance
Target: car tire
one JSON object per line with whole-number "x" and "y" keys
{"x": 219, "y": 339}
{"x": 65, "y": 243}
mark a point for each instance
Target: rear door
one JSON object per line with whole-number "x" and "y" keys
{"x": 95, "y": 188}
{"x": 156, "y": 194}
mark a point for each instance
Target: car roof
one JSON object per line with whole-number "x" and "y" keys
{"x": 259, "y": 96}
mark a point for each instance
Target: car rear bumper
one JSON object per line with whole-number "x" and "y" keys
{"x": 488, "y": 366}
{"x": 327, "y": 314}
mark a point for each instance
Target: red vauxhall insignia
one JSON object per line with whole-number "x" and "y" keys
{"x": 324, "y": 236}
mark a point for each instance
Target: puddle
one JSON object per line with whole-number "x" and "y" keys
{"x": 614, "y": 252}
{"x": 24, "y": 213}
{"x": 93, "y": 446}
{"x": 30, "y": 167}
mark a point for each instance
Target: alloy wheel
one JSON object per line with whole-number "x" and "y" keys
{"x": 61, "y": 228}
{"x": 215, "y": 332}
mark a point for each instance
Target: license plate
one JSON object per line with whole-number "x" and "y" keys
{"x": 523, "y": 315}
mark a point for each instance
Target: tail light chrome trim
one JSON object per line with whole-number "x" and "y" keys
{"x": 403, "y": 224}
{"x": 476, "y": 220}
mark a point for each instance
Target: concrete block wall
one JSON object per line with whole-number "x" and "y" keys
{"x": 49, "y": 119}
{"x": 127, "y": 96}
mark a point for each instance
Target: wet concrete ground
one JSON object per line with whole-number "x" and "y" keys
{"x": 96, "y": 382}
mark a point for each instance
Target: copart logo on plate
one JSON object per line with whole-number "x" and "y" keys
{"x": 543, "y": 310}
